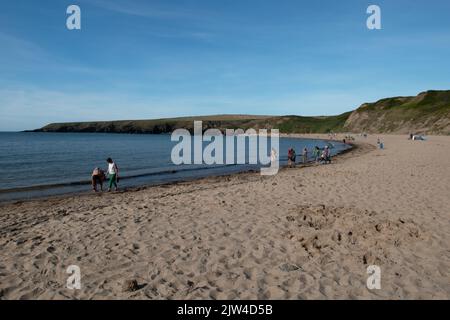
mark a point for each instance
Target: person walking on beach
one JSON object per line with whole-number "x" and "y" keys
{"x": 305, "y": 155}
{"x": 98, "y": 176}
{"x": 113, "y": 173}
{"x": 291, "y": 157}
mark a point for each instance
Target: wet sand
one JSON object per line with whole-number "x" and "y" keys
{"x": 306, "y": 233}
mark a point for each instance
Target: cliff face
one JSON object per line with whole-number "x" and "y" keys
{"x": 428, "y": 112}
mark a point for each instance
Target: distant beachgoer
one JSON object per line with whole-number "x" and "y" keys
{"x": 273, "y": 155}
{"x": 113, "y": 173}
{"x": 305, "y": 155}
{"x": 316, "y": 153}
{"x": 411, "y": 136}
{"x": 291, "y": 157}
{"x": 98, "y": 176}
{"x": 381, "y": 144}
{"x": 326, "y": 155}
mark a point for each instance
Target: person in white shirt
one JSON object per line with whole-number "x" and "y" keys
{"x": 113, "y": 173}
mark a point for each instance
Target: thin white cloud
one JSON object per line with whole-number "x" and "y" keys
{"x": 168, "y": 12}
{"x": 19, "y": 54}
{"x": 143, "y": 9}
{"x": 20, "y": 49}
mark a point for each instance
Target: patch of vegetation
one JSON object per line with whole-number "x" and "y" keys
{"x": 429, "y": 112}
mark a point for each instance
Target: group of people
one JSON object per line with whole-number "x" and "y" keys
{"x": 99, "y": 176}
{"x": 320, "y": 155}
{"x": 380, "y": 143}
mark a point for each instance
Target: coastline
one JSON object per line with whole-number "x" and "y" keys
{"x": 148, "y": 185}
{"x": 306, "y": 233}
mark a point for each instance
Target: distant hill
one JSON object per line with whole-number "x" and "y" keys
{"x": 429, "y": 112}
{"x": 286, "y": 124}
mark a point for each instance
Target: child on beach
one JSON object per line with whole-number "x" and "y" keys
{"x": 113, "y": 173}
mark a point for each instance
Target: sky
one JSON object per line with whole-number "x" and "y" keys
{"x": 137, "y": 59}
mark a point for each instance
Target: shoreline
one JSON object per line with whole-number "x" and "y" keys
{"x": 146, "y": 186}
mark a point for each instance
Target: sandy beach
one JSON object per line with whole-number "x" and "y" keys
{"x": 306, "y": 233}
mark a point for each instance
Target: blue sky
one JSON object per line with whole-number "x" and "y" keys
{"x": 136, "y": 59}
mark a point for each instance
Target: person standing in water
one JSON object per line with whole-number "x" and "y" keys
{"x": 317, "y": 153}
{"x": 305, "y": 155}
{"x": 113, "y": 173}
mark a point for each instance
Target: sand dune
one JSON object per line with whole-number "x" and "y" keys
{"x": 306, "y": 233}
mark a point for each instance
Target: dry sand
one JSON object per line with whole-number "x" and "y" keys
{"x": 306, "y": 233}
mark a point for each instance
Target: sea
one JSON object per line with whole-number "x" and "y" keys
{"x": 36, "y": 164}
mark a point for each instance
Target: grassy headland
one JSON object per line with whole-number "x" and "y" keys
{"x": 428, "y": 112}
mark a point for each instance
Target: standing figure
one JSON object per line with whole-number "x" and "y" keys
{"x": 291, "y": 157}
{"x": 326, "y": 157}
{"x": 316, "y": 153}
{"x": 305, "y": 155}
{"x": 113, "y": 173}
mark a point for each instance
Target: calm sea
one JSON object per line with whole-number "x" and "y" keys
{"x": 42, "y": 164}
